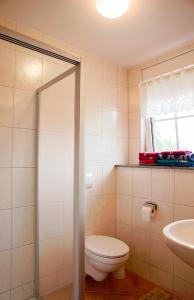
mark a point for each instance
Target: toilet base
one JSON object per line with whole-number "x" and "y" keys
{"x": 120, "y": 273}
{"x": 94, "y": 273}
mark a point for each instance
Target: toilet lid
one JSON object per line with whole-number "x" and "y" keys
{"x": 106, "y": 246}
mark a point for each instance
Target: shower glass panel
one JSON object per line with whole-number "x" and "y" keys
{"x": 56, "y": 188}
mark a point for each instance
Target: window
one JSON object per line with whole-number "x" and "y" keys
{"x": 168, "y": 101}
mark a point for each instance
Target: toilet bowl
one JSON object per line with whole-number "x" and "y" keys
{"x": 104, "y": 255}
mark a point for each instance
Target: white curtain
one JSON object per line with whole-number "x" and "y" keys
{"x": 168, "y": 94}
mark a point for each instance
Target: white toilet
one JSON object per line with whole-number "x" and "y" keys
{"x": 104, "y": 255}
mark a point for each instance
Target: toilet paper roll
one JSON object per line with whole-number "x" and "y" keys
{"x": 146, "y": 213}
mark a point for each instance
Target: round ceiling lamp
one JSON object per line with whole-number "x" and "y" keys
{"x": 112, "y": 9}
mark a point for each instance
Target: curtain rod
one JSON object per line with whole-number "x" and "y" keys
{"x": 168, "y": 59}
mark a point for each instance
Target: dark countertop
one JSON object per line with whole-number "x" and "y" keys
{"x": 154, "y": 167}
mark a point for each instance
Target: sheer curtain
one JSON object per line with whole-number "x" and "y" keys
{"x": 167, "y": 96}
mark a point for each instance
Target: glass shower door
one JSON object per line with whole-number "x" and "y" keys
{"x": 56, "y": 176}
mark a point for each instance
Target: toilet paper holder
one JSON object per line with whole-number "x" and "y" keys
{"x": 153, "y": 207}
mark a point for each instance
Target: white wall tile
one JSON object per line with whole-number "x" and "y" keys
{"x": 23, "y": 292}
{"x": 5, "y": 270}
{"x": 124, "y": 209}
{"x": 5, "y": 229}
{"x": 23, "y": 148}
{"x": 134, "y": 125}
{"x": 109, "y": 180}
{"x": 7, "y": 69}
{"x": 160, "y": 256}
{"x": 184, "y": 187}
{"x": 6, "y": 106}
{"x": 134, "y": 149}
{"x": 5, "y": 146}
{"x": 183, "y": 289}
{"x": 124, "y": 233}
{"x": 163, "y": 185}
{"x": 23, "y": 187}
{"x": 22, "y": 265}
{"x": 5, "y": 188}
{"x": 24, "y": 109}
{"x": 183, "y": 212}
{"x": 183, "y": 270}
{"x": 5, "y": 296}
{"x": 23, "y": 226}
{"x": 142, "y": 183}
{"x": 93, "y": 117}
{"x": 141, "y": 244}
{"x": 28, "y": 71}
{"x": 161, "y": 278}
{"x": 97, "y": 181}
{"x": 137, "y": 219}
{"x": 163, "y": 216}
{"x": 124, "y": 181}
{"x": 141, "y": 268}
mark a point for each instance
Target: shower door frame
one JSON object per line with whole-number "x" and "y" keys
{"x": 79, "y": 181}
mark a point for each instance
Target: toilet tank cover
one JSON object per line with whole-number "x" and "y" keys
{"x": 106, "y": 246}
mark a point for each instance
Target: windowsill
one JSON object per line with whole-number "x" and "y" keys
{"x": 153, "y": 167}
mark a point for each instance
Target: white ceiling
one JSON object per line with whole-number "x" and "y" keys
{"x": 149, "y": 28}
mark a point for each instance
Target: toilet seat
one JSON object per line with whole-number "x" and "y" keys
{"x": 106, "y": 247}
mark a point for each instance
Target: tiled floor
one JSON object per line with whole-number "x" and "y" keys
{"x": 130, "y": 288}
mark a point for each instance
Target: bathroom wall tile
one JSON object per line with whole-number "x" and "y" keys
{"x": 124, "y": 233}
{"x": 22, "y": 265}
{"x": 124, "y": 209}
{"x": 134, "y": 149}
{"x": 184, "y": 188}
{"x": 23, "y": 230}
{"x": 122, "y": 127}
{"x": 5, "y": 188}
{"x": 134, "y": 76}
{"x": 124, "y": 181}
{"x": 122, "y": 100}
{"x": 94, "y": 150}
{"x": 5, "y": 229}
{"x": 56, "y": 114}
{"x": 24, "y": 109}
{"x": 110, "y": 96}
{"x": 109, "y": 150}
{"x": 121, "y": 151}
{"x": 183, "y": 270}
{"x": 164, "y": 216}
{"x": 107, "y": 228}
{"x": 47, "y": 212}
{"x": 107, "y": 211}
{"x": 56, "y": 184}
{"x": 110, "y": 122}
{"x": 141, "y": 268}
{"x": 91, "y": 97}
{"x": 5, "y": 296}
{"x": 141, "y": 244}
{"x": 6, "y": 106}
{"x": 28, "y": 71}
{"x": 161, "y": 278}
{"x": 97, "y": 181}
{"x": 65, "y": 278}
{"x": 163, "y": 185}
{"x": 134, "y": 99}
{"x": 5, "y": 146}
{"x": 94, "y": 66}
{"x": 52, "y": 68}
{"x": 109, "y": 180}
{"x": 160, "y": 256}
{"x": 137, "y": 219}
{"x": 67, "y": 218}
{"x": 5, "y": 270}
{"x": 183, "y": 289}
{"x": 48, "y": 284}
{"x": 183, "y": 212}
{"x": 55, "y": 149}
{"x": 93, "y": 117}
{"x": 23, "y": 148}
{"x": 23, "y": 292}
{"x": 7, "y": 69}
{"x": 134, "y": 125}
{"x": 142, "y": 183}
{"x": 23, "y": 187}
{"x": 110, "y": 72}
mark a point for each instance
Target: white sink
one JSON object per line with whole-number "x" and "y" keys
{"x": 179, "y": 237}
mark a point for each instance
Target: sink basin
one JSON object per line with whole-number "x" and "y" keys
{"x": 179, "y": 237}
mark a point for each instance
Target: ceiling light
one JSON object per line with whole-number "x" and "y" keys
{"x": 112, "y": 8}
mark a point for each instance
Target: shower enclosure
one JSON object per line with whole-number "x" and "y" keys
{"x": 58, "y": 226}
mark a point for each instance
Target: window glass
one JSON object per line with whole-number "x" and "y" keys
{"x": 164, "y": 135}
{"x": 186, "y": 133}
